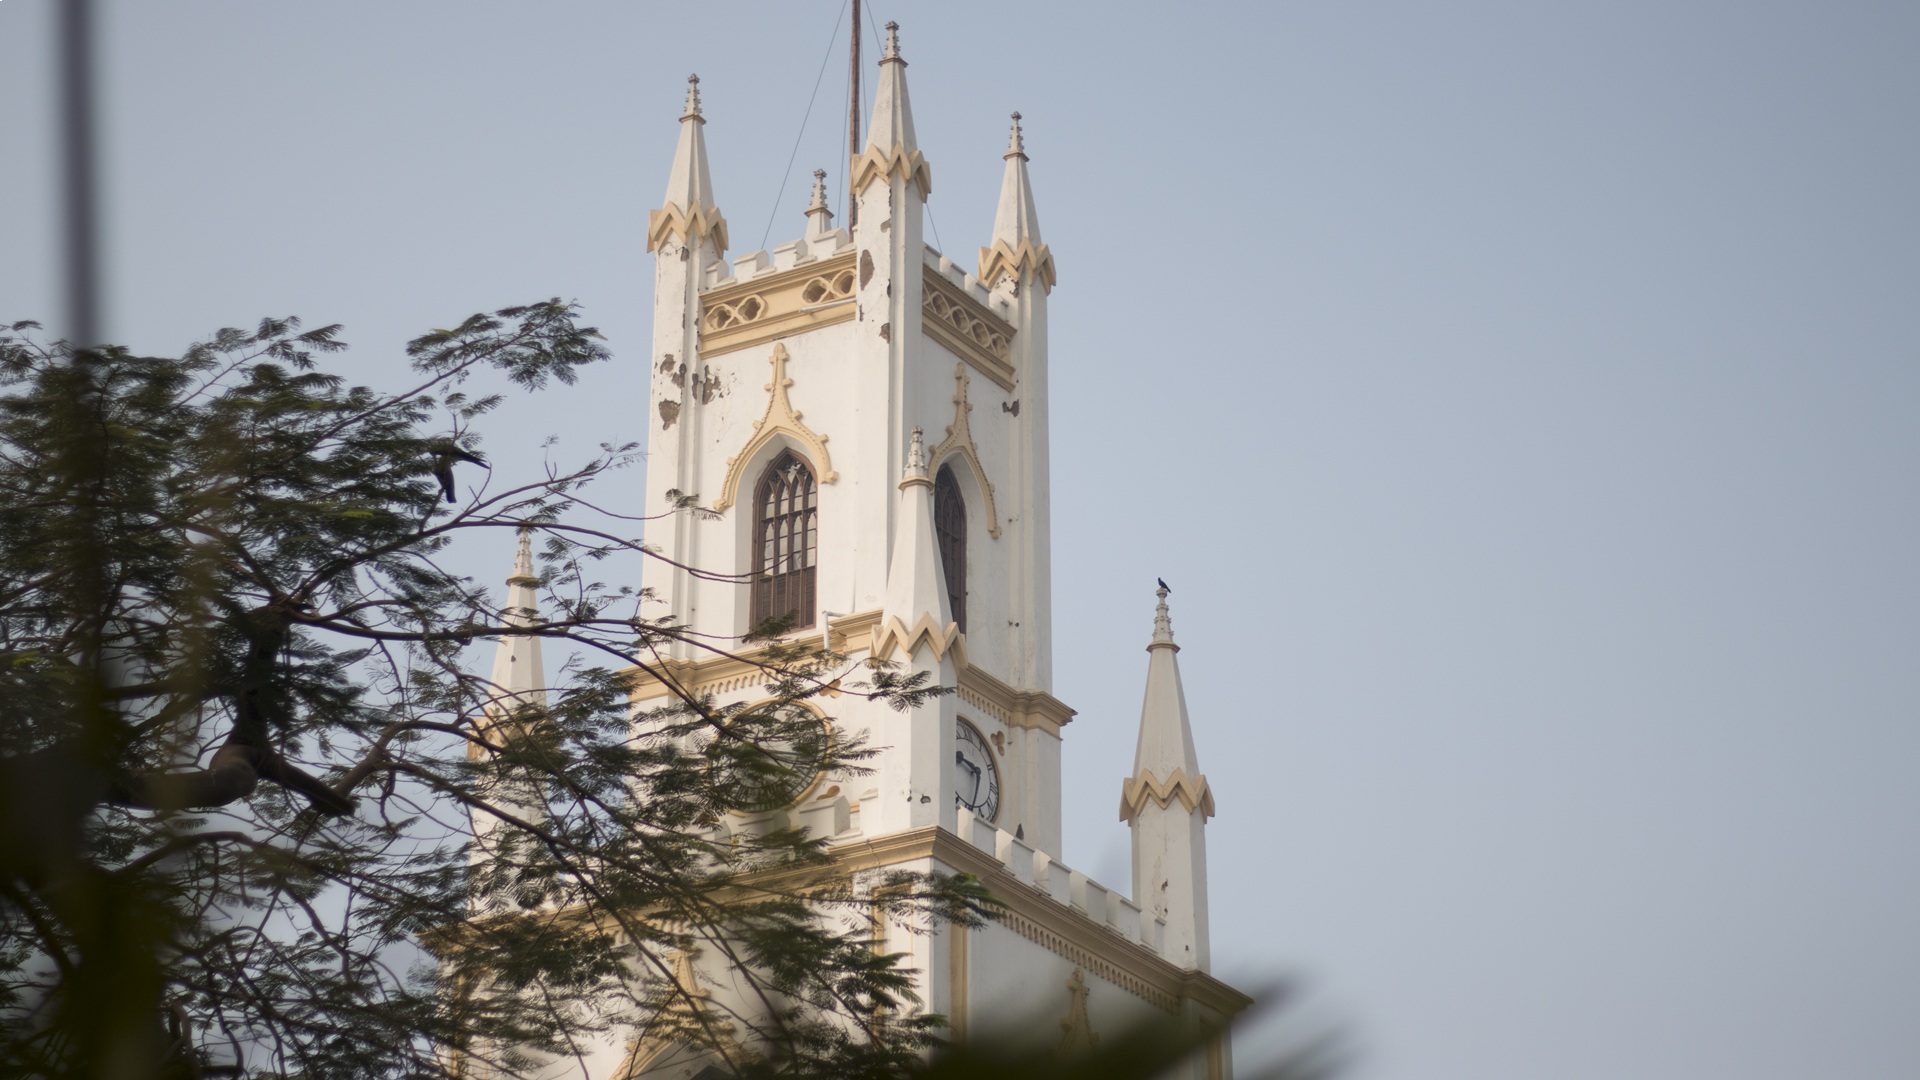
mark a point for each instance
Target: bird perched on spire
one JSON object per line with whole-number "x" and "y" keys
{"x": 444, "y": 455}
{"x": 1163, "y": 584}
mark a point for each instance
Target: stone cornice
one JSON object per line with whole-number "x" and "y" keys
{"x": 1014, "y": 708}
{"x": 719, "y": 674}
{"x": 1192, "y": 792}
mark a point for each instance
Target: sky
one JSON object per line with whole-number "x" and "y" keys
{"x": 1522, "y": 399}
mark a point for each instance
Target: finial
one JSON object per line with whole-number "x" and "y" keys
{"x": 819, "y": 191}
{"x": 523, "y": 573}
{"x": 1016, "y": 144}
{"x": 693, "y": 99}
{"x": 893, "y": 43}
{"x": 917, "y": 455}
{"x": 1162, "y": 620}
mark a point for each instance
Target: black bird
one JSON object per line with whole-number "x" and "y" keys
{"x": 1162, "y": 581}
{"x": 443, "y": 459}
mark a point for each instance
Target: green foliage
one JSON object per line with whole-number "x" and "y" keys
{"x": 242, "y": 746}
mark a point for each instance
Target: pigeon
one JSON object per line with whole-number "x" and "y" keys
{"x": 443, "y": 459}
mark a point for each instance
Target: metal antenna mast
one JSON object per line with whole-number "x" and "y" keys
{"x": 853, "y": 117}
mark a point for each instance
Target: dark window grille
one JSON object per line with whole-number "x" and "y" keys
{"x": 786, "y": 526}
{"x": 950, "y": 526}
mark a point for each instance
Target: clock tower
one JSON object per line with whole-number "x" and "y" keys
{"x": 866, "y": 419}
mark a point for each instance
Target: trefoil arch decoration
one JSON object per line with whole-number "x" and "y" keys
{"x": 959, "y": 441}
{"x": 780, "y": 419}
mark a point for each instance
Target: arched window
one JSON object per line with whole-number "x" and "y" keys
{"x": 785, "y": 529}
{"x": 950, "y": 525}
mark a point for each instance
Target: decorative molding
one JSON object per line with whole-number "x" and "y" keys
{"x": 896, "y": 636}
{"x": 689, "y": 226}
{"x": 741, "y": 314}
{"x": 724, "y": 674}
{"x": 877, "y": 164}
{"x": 781, "y": 418}
{"x": 1014, "y": 708}
{"x": 959, "y": 441}
{"x": 1029, "y": 261}
{"x": 1076, "y": 1031}
{"x": 1193, "y": 793}
{"x": 967, "y": 328}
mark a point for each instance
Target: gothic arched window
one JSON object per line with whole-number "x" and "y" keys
{"x": 950, "y": 526}
{"x": 785, "y": 529}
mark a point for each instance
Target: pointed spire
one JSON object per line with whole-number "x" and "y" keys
{"x": 519, "y": 673}
{"x": 1166, "y": 737}
{"x": 1016, "y": 250}
{"x": 819, "y": 217}
{"x": 1166, "y": 804}
{"x": 891, "y": 146}
{"x": 916, "y": 608}
{"x": 687, "y": 212}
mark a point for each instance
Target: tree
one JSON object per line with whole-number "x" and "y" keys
{"x": 241, "y": 744}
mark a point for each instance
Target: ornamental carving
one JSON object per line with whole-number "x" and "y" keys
{"x": 1024, "y": 262}
{"x": 688, "y": 226}
{"x": 967, "y": 328}
{"x": 1192, "y": 792}
{"x": 737, "y": 315}
{"x": 781, "y": 418}
{"x": 959, "y": 441}
{"x": 877, "y": 164}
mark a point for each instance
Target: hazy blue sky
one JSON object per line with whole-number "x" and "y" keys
{"x": 1522, "y": 398}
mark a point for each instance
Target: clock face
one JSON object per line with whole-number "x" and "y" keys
{"x": 774, "y": 760}
{"x": 976, "y": 777}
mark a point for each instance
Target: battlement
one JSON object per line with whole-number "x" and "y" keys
{"x": 1039, "y": 871}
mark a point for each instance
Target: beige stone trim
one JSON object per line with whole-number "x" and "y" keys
{"x": 741, "y": 314}
{"x": 1014, "y": 708}
{"x": 1191, "y": 791}
{"x": 721, "y": 674}
{"x": 959, "y": 441}
{"x": 880, "y": 165}
{"x": 896, "y": 636}
{"x": 1027, "y": 262}
{"x": 689, "y": 226}
{"x": 967, "y": 328}
{"x": 1046, "y": 922}
{"x": 781, "y": 418}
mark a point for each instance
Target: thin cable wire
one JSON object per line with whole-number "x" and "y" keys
{"x": 781, "y": 193}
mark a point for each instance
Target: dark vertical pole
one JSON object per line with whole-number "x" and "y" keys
{"x": 78, "y": 173}
{"x": 853, "y": 119}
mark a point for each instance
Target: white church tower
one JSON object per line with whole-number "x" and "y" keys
{"x": 867, "y": 421}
